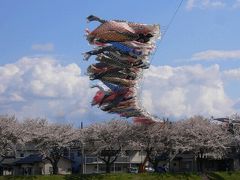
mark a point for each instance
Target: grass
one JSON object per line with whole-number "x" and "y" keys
{"x": 120, "y": 176}
{"x": 224, "y": 175}
{"x": 123, "y": 176}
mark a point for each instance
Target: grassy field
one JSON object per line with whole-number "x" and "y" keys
{"x": 224, "y": 175}
{"x": 145, "y": 176}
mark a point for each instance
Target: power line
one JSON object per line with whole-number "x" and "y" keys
{"x": 166, "y": 28}
{"x": 172, "y": 19}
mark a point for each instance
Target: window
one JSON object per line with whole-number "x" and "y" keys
{"x": 22, "y": 155}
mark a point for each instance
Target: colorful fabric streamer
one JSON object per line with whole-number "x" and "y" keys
{"x": 122, "y": 50}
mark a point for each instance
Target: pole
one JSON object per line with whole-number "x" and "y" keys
{"x": 83, "y": 159}
{"x": 97, "y": 166}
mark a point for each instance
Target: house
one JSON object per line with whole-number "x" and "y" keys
{"x": 6, "y": 165}
{"x": 92, "y": 164}
{"x": 33, "y": 164}
{"x": 30, "y": 162}
{"x": 75, "y": 155}
{"x": 186, "y": 162}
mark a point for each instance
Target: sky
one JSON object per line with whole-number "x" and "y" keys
{"x": 195, "y": 70}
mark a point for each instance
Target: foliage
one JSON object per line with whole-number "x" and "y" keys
{"x": 52, "y": 140}
{"x": 107, "y": 140}
{"x": 11, "y": 134}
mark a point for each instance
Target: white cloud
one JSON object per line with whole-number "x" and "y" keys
{"x": 205, "y": 4}
{"x": 216, "y": 55}
{"x": 43, "y": 47}
{"x": 232, "y": 74}
{"x": 185, "y": 91}
{"x": 42, "y": 87}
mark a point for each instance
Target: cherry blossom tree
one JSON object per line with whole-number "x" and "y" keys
{"x": 169, "y": 139}
{"x": 107, "y": 140}
{"x": 52, "y": 140}
{"x": 11, "y": 134}
{"x": 158, "y": 140}
{"x": 204, "y": 137}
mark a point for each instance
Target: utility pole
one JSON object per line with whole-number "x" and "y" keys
{"x": 83, "y": 155}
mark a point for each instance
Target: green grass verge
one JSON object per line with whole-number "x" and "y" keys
{"x": 123, "y": 176}
{"x": 120, "y": 176}
{"x": 224, "y": 175}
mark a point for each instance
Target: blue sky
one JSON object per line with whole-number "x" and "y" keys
{"x": 204, "y": 34}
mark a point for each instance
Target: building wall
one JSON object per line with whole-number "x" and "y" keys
{"x": 29, "y": 169}
{"x": 64, "y": 167}
{"x": 76, "y": 157}
{"x": 47, "y": 168}
{"x": 137, "y": 156}
{"x": 100, "y": 168}
{"x": 122, "y": 164}
{"x": 236, "y": 164}
{"x": 92, "y": 168}
{"x": 7, "y": 171}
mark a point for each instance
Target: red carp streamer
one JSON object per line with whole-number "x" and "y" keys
{"x": 122, "y": 51}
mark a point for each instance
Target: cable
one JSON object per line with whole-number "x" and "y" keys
{"x": 166, "y": 28}
{"x": 172, "y": 19}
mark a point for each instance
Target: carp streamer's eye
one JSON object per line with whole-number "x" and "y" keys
{"x": 149, "y": 35}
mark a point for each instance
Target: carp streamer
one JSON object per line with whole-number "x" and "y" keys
{"x": 122, "y": 51}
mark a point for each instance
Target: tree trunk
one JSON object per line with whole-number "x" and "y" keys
{"x": 55, "y": 167}
{"x": 170, "y": 159}
{"x": 155, "y": 165}
{"x": 200, "y": 162}
{"x": 154, "y": 161}
{"x": 108, "y": 162}
{"x": 141, "y": 168}
{"x": 108, "y": 167}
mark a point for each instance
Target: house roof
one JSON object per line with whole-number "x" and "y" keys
{"x": 8, "y": 161}
{"x": 31, "y": 159}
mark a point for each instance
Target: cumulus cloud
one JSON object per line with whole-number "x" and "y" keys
{"x": 185, "y": 91}
{"x": 41, "y": 87}
{"x": 48, "y": 47}
{"x": 216, "y": 55}
{"x": 205, "y": 4}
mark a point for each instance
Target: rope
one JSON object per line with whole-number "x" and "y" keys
{"x": 166, "y": 28}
